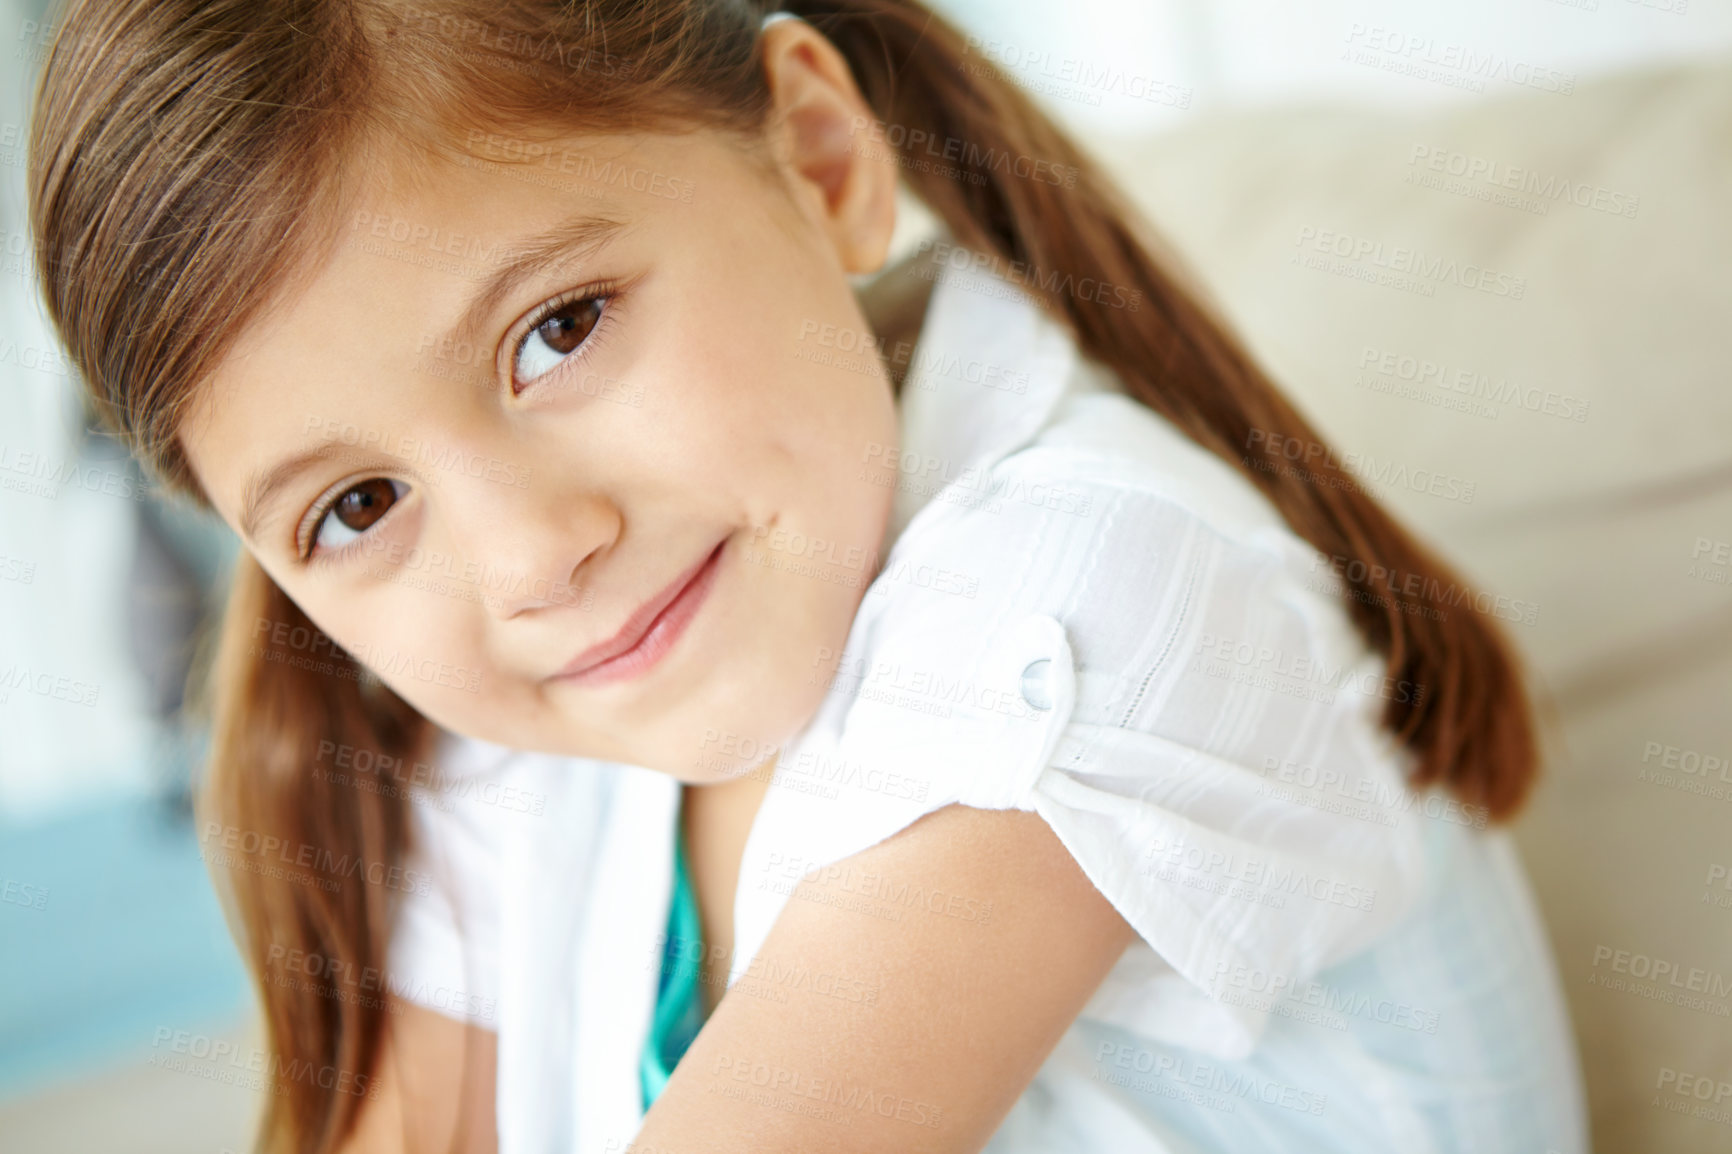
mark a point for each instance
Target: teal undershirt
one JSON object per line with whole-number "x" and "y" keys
{"x": 679, "y": 1010}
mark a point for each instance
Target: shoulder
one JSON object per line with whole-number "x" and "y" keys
{"x": 1139, "y": 648}
{"x": 1086, "y": 580}
{"x": 1134, "y": 539}
{"x": 1156, "y": 588}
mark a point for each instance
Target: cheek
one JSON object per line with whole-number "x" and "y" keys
{"x": 751, "y": 372}
{"x": 412, "y": 632}
{"x": 726, "y": 418}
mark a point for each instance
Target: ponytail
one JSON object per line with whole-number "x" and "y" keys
{"x": 1012, "y": 186}
{"x": 302, "y": 853}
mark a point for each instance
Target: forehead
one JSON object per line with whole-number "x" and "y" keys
{"x": 455, "y": 211}
{"x": 476, "y": 173}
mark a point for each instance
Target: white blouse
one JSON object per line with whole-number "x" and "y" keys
{"x": 1084, "y": 615}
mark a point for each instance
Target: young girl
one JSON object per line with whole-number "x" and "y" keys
{"x": 984, "y": 678}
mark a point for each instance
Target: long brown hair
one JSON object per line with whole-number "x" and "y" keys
{"x": 188, "y": 158}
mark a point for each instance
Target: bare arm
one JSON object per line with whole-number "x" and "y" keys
{"x": 964, "y": 1009}
{"x": 433, "y": 1089}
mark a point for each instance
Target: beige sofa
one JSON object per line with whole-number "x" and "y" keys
{"x": 1533, "y": 297}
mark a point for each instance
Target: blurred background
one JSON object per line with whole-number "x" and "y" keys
{"x": 1246, "y": 129}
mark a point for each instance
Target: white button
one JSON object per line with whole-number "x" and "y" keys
{"x": 1037, "y": 684}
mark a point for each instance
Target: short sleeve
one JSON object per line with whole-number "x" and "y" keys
{"x": 1151, "y": 668}
{"x": 444, "y": 946}
{"x": 1224, "y": 777}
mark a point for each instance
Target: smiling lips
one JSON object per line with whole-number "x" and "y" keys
{"x": 649, "y": 632}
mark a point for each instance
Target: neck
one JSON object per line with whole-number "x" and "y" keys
{"x": 716, "y": 820}
{"x": 894, "y": 302}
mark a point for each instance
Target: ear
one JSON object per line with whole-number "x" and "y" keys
{"x": 821, "y": 131}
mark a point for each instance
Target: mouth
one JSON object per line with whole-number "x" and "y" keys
{"x": 649, "y": 633}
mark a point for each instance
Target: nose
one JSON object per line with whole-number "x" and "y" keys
{"x": 530, "y": 543}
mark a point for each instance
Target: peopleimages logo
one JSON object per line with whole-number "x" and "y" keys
{"x": 230, "y": 846}
{"x": 1661, "y": 979}
{"x": 425, "y": 455}
{"x": 1177, "y": 859}
{"x": 1457, "y": 65}
{"x": 39, "y": 474}
{"x": 1350, "y": 576}
{"x": 23, "y": 679}
{"x": 24, "y": 894}
{"x": 973, "y": 157}
{"x": 1299, "y": 458}
{"x": 485, "y": 148}
{"x": 1469, "y": 384}
{"x": 220, "y": 1060}
{"x": 1024, "y": 274}
{"x": 1498, "y": 175}
{"x": 1392, "y": 797}
{"x": 1300, "y": 669}
{"x": 1074, "y": 78}
{"x": 1367, "y": 258}
{"x": 1225, "y": 1086}
{"x": 842, "y": 1101}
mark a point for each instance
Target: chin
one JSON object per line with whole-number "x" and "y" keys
{"x": 725, "y": 739}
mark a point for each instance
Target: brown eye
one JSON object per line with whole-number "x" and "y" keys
{"x": 365, "y": 503}
{"x": 356, "y": 511}
{"x": 557, "y": 337}
{"x": 565, "y": 329}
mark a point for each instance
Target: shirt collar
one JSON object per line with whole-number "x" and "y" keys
{"x": 986, "y": 373}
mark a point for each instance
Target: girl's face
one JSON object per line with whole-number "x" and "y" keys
{"x": 563, "y": 451}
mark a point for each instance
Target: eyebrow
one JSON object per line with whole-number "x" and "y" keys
{"x": 266, "y": 485}
{"x": 576, "y": 239}
{"x": 579, "y": 238}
